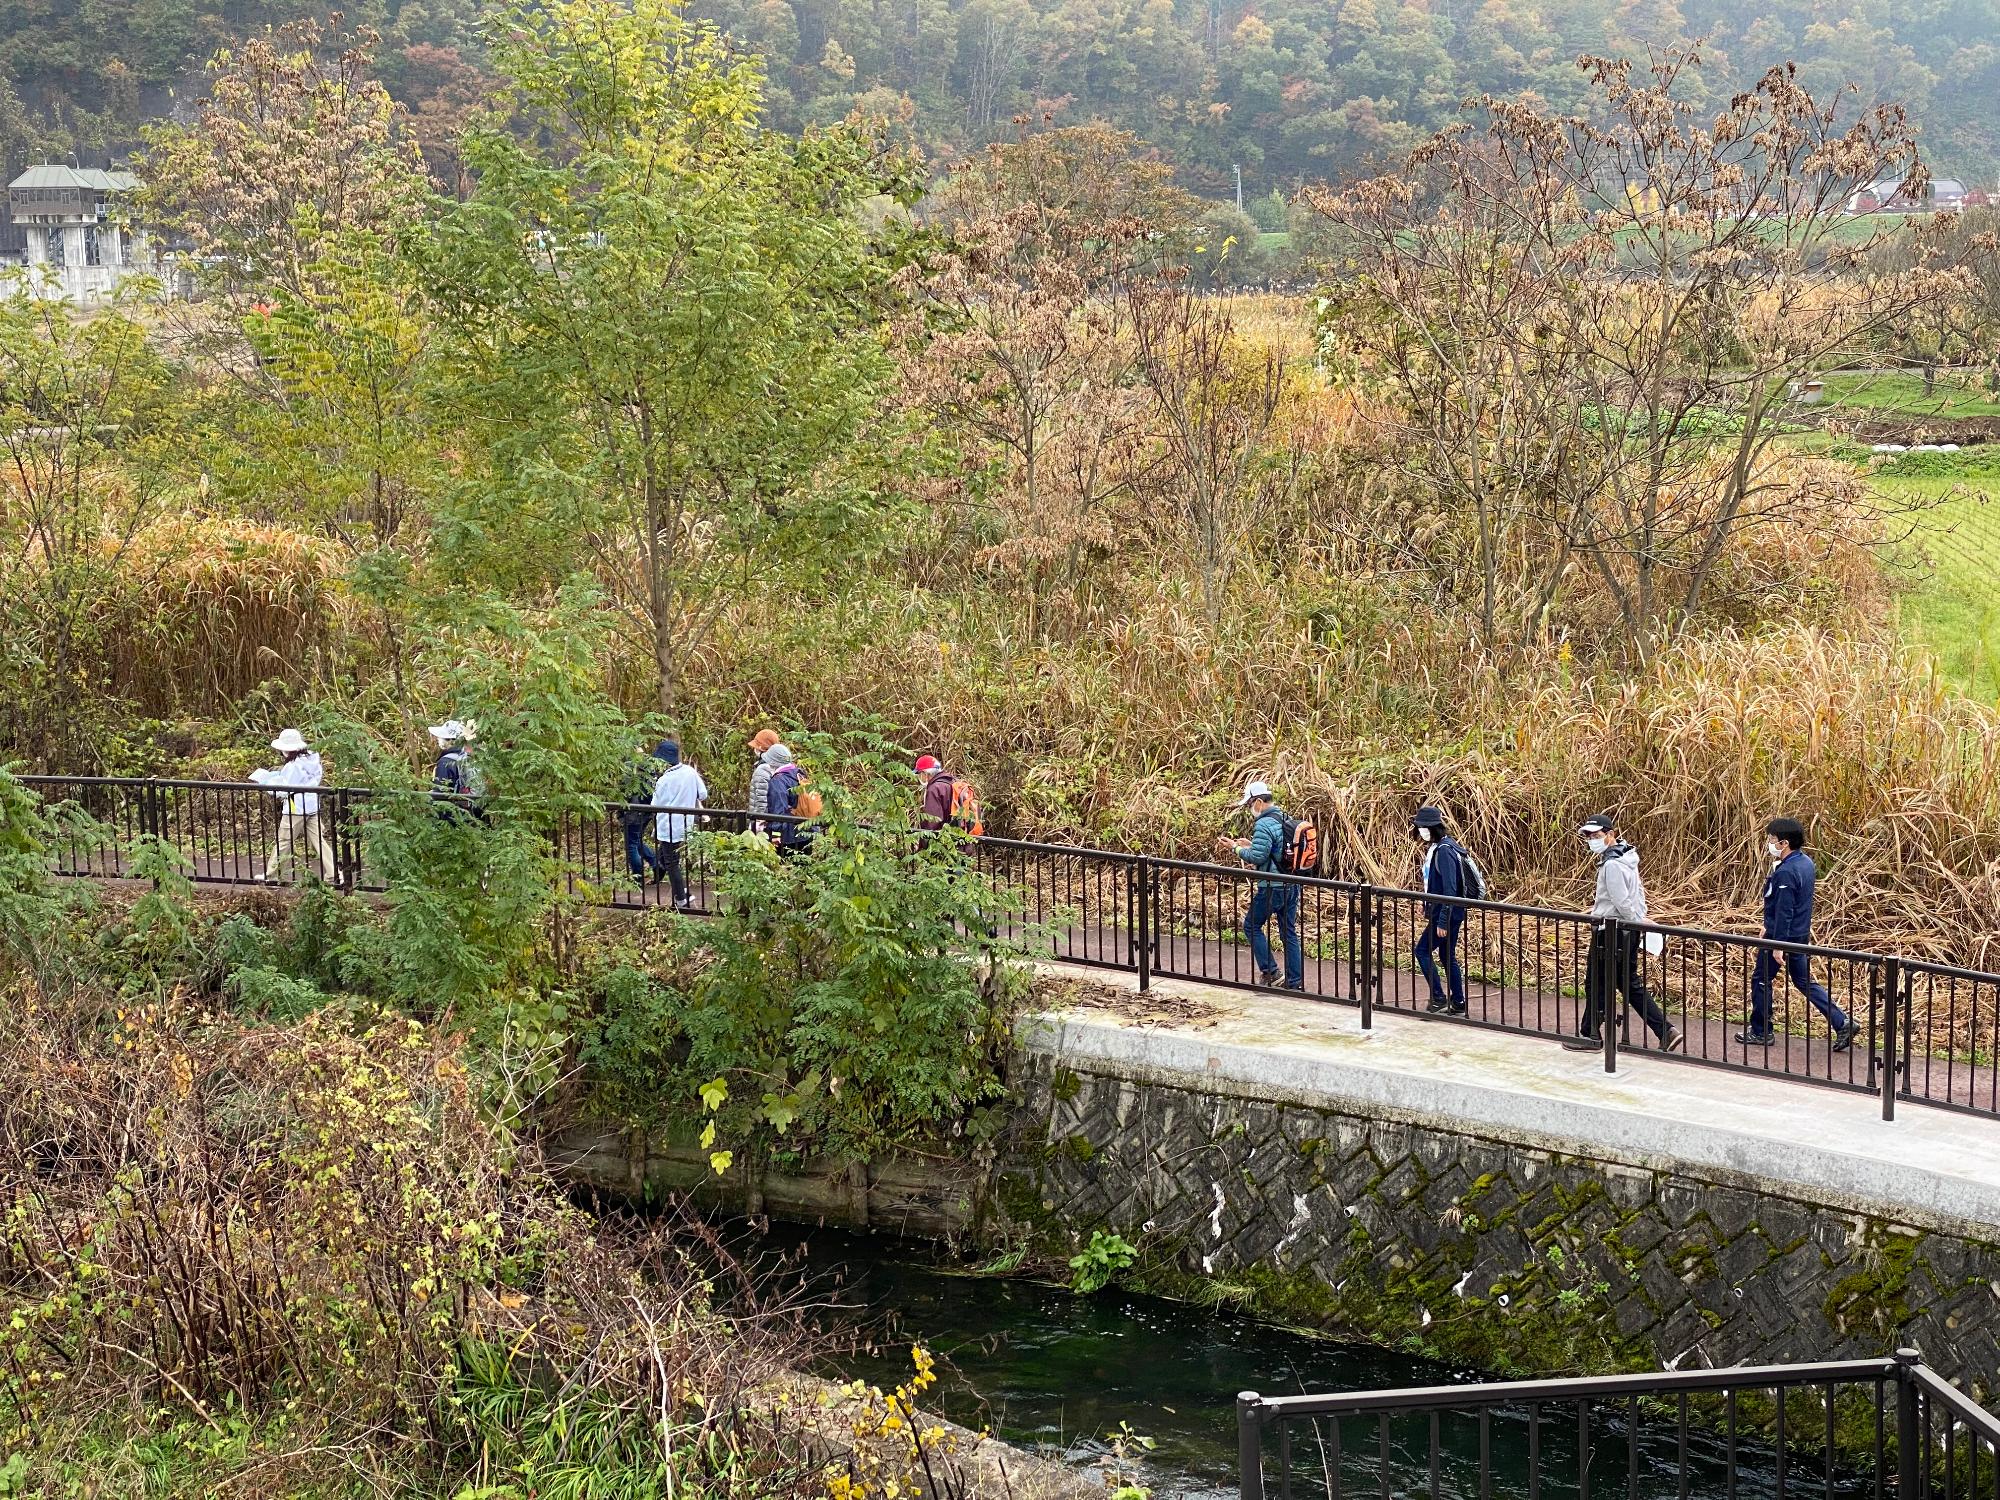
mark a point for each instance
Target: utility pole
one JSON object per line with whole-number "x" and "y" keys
{"x": 1239, "y": 187}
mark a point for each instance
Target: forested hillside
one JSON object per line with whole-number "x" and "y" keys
{"x": 1290, "y": 90}
{"x": 1306, "y": 89}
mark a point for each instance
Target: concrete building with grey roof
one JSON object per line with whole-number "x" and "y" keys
{"x": 81, "y": 241}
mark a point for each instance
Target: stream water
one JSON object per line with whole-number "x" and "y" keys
{"x": 1056, "y": 1372}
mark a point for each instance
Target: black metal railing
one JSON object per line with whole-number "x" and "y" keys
{"x": 1925, "y": 1032}
{"x": 1872, "y": 1427}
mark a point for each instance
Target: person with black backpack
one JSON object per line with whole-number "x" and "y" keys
{"x": 1269, "y": 849}
{"x": 1444, "y": 872}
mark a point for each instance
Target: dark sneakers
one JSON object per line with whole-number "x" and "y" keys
{"x": 1844, "y": 1038}
{"x": 1583, "y": 1044}
{"x": 1748, "y": 1038}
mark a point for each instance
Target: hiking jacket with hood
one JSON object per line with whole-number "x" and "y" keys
{"x": 934, "y": 811}
{"x": 299, "y": 771}
{"x": 1266, "y": 849}
{"x": 759, "y": 804}
{"x": 1443, "y": 872}
{"x": 680, "y": 786}
{"x": 1620, "y": 891}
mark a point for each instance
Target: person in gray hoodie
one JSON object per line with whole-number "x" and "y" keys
{"x": 1621, "y": 897}
{"x": 759, "y": 801}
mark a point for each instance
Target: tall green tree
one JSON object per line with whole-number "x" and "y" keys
{"x": 91, "y": 431}
{"x": 661, "y": 317}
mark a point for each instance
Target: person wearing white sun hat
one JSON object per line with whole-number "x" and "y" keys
{"x": 298, "y": 807}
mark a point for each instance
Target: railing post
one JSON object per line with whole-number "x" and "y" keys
{"x": 1142, "y": 936}
{"x": 344, "y": 855}
{"x": 152, "y": 810}
{"x": 1907, "y": 1438}
{"x": 1249, "y": 1446}
{"x": 1365, "y": 967}
{"x": 1610, "y": 969}
{"x": 1889, "y": 976}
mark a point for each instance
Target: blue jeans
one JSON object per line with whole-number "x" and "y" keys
{"x": 1799, "y": 971}
{"x": 1282, "y": 902}
{"x": 1432, "y": 946}
{"x": 641, "y": 856}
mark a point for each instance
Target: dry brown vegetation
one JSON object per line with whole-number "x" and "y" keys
{"x": 317, "y": 1222}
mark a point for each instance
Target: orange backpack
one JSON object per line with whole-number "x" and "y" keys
{"x": 965, "y": 812}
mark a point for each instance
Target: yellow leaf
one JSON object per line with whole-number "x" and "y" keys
{"x": 720, "y": 1160}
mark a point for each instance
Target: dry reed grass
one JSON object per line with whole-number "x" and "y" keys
{"x": 213, "y": 606}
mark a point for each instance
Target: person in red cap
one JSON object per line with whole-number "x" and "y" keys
{"x": 934, "y": 800}
{"x": 945, "y": 799}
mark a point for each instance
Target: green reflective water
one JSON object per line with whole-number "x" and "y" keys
{"x": 1059, "y": 1373}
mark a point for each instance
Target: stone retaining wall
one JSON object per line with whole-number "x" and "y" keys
{"x": 1504, "y": 1254}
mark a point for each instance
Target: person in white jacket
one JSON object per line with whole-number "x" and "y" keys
{"x": 298, "y": 808}
{"x": 1621, "y": 896}
{"x": 680, "y": 786}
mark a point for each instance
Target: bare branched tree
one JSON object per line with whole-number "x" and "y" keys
{"x": 1595, "y": 322}
{"x": 1215, "y": 401}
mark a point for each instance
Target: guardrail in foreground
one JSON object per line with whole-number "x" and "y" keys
{"x": 1928, "y": 1032}
{"x": 1871, "y": 1427}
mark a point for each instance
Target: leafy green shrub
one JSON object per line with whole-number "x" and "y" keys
{"x": 846, "y": 999}
{"x": 1980, "y": 462}
{"x": 28, "y": 904}
{"x": 1099, "y": 1261}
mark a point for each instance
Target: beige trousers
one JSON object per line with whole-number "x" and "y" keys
{"x": 297, "y": 832}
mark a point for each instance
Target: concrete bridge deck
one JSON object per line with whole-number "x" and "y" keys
{"x": 1933, "y": 1168}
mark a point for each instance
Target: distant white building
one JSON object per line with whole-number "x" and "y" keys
{"x": 1946, "y": 195}
{"x": 81, "y": 242}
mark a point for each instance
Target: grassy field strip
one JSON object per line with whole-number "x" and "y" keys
{"x": 1955, "y": 611}
{"x": 1901, "y": 393}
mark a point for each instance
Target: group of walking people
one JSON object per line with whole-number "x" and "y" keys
{"x": 666, "y": 794}
{"x": 663, "y": 798}
{"x": 1449, "y": 876}
{"x": 782, "y": 805}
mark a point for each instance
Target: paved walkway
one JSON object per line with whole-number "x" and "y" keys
{"x": 1935, "y": 1168}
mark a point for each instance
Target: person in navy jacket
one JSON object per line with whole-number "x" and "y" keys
{"x": 1442, "y": 875}
{"x": 1788, "y": 911}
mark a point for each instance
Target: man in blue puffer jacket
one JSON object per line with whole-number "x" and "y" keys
{"x": 1788, "y": 913}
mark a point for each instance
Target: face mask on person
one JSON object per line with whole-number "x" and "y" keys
{"x": 1598, "y": 843}
{"x": 1423, "y": 835}
{"x": 1773, "y": 848}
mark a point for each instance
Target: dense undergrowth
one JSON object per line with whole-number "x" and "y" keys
{"x": 277, "y": 1223}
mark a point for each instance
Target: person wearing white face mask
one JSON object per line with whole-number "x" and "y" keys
{"x": 1788, "y": 911}
{"x": 1621, "y": 896}
{"x": 1445, "y": 870}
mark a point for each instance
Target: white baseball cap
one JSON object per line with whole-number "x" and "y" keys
{"x": 449, "y": 732}
{"x": 290, "y": 743}
{"x": 1253, "y": 791}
